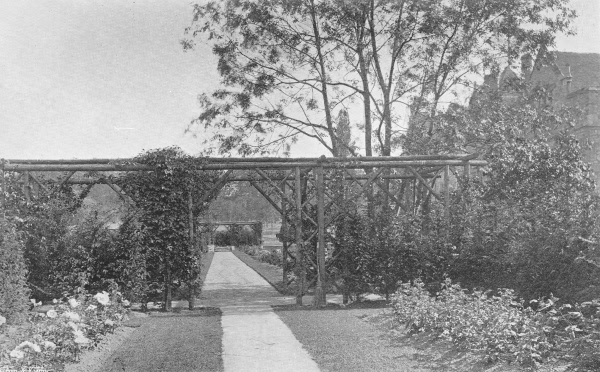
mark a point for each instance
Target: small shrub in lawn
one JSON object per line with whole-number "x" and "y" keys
{"x": 57, "y": 336}
{"x": 500, "y": 326}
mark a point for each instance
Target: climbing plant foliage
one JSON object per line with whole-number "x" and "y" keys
{"x": 161, "y": 200}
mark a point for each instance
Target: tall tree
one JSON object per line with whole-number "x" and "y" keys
{"x": 288, "y": 66}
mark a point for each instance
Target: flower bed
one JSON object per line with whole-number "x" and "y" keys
{"x": 56, "y": 334}
{"x": 274, "y": 257}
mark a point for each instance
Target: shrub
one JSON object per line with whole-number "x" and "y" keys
{"x": 14, "y": 294}
{"x": 271, "y": 257}
{"x": 274, "y": 257}
{"x": 500, "y": 326}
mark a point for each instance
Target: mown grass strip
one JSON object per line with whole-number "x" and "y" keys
{"x": 339, "y": 341}
{"x": 206, "y": 260}
{"x": 174, "y": 342}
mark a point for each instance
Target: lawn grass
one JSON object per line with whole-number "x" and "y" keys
{"x": 205, "y": 261}
{"x": 186, "y": 341}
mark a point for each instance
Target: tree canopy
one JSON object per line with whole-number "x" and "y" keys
{"x": 288, "y": 67}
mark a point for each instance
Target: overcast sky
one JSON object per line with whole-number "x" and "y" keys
{"x": 108, "y": 78}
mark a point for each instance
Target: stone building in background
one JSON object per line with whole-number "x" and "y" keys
{"x": 572, "y": 79}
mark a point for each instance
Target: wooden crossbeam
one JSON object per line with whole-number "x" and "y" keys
{"x": 385, "y": 162}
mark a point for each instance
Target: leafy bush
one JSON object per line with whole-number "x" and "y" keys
{"x": 274, "y": 257}
{"x": 500, "y": 326}
{"x": 14, "y": 294}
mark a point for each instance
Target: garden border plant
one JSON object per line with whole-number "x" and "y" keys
{"x": 501, "y": 326}
{"x": 59, "y": 334}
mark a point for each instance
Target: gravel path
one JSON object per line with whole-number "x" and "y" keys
{"x": 254, "y": 338}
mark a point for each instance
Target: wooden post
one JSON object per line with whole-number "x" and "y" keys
{"x": 284, "y": 229}
{"x": 320, "y": 295}
{"x": 300, "y": 271}
{"x": 192, "y": 284}
{"x": 26, "y": 190}
{"x": 447, "y": 192}
{"x": 468, "y": 172}
{"x": 191, "y": 216}
{"x": 260, "y": 236}
{"x": 3, "y": 186}
{"x": 168, "y": 294}
{"x": 36, "y": 188}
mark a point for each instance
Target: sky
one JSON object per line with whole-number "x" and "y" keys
{"x": 109, "y": 78}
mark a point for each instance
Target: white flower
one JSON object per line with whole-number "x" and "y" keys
{"x": 2, "y": 320}
{"x": 126, "y": 303}
{"x": 71, "y": 315}
{"x": 18, "y": 354}
{"x": 30, "y": 345}
{"x": 51, "y": 313}
{"x": 80, "y": 338}
{"x": 92, "y": 307}
{"x": 102, "y": 298}
{"x": 55, "y": 301}
{"x": 35, "y": 304}
{"x": 109, "y": 322}
{"x": 49, "y": 345}
{"x": 73, "y": 302}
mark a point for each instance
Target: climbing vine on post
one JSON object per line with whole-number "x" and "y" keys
{"x": 161, "y": 198}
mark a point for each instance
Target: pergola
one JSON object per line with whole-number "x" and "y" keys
{"x": 285, "y": 183}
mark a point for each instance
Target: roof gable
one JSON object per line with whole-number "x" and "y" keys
{"x": 585, "y": 68}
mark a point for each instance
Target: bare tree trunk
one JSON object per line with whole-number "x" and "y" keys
{"x": 323, "y": 79}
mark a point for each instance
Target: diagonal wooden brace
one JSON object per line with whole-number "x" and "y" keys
{"x": 216, "y": 187}
{"x": 39, "y": 183}
{"x": 422, "y": 180}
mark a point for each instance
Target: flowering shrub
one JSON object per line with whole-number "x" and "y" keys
{"x": 500, "y": 326}
{"x": 59, "y": 335}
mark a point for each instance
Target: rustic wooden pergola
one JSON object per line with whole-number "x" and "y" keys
{"x": 285, "y": 183}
